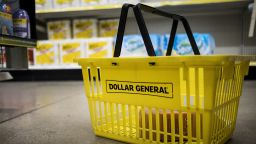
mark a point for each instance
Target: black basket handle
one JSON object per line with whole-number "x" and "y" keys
{"x": 121, "y": 29}
{"x": 144, "y": 32}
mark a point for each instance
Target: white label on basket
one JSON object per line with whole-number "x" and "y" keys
{"x": 142, "y": 88}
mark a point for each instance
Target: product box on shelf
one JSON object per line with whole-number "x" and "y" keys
{"x": 6, "y": 23}
{"x": 123, "y": 1}
{"x": 93, "y": 2}
{"x": 31, "y": 58}
{"x": 146, "y": 1}
{"x": 84, "y": 28}
{"x": 99, "y": 47}
{"x": 59, "y": 30}
{"x": 181, "y": 46}
{"x": 108, "y": 28}
{"x": 44, "y": 4}
{"x": 70, "y": 50}
{"x": 2, "y": 57}
{"x": 133, "y": 45}
{"x": 66, "y": 3}
{"x": 46, "y": 53}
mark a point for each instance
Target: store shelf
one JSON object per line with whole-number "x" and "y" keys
{"x": 55, "y": 67}
{"x": 12, "y": 69}
{"x": 113, "y": 10}
{"x": 16, "y": 41}
{"x": 253, "y": 63}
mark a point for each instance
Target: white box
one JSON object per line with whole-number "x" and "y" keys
{"x": 70, "y": 50}
{"x": 124, "y": 1}
{"x": 89, "y": 2}
{"x": 59, "y": 30}
{"x": 46, "y": 53}
{"x": 93, "y": 2}
{"x": 65, "y": 3}
{"x": 99, "y": 47}
{"x": 102, "y": 2}
{"x": 84, "y": 28}
{"x": 44, "y": 4}
{"x": 108, "y": 28}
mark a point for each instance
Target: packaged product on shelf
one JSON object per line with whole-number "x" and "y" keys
{"x": 58, "y": 30}
{"x": 21, "y": 24}
{"x": 93, "y": 2}
{"x": 124, "y": 1}
{"x": 108, "y": 28}
{"x": 2, "y": 57}
{"x": 84, "y": 28}
{"x": 69, "y": 50}
{"x": 46, "y": 53}
{"x": 181, "y": 46}
{"x": 6, "y": 23}
{"x": 44, "y": 4}
{"x": 133, "y": 45}
{"x": 145, "y": 1}
{"x": 65, "y": 3}
{"x": 31, "y": 59}
{"x": 5, "y": 7}
{"x": 99, "y": 47}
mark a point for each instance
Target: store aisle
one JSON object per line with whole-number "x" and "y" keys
{"x": 57, "y": 113}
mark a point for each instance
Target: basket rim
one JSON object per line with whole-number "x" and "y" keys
{"x": 196, "y": 59}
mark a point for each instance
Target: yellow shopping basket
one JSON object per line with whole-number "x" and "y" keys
{"x": 178, "y": 99}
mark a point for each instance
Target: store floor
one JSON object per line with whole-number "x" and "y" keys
{"x": 57, "y": 113}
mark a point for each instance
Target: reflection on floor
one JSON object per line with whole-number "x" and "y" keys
{"x": 20, "y": 98}
{"x": 56, "y": 112}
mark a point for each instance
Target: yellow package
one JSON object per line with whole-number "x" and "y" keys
{"x": 99, "y": 48}
{"x": 70, "y": 50}
{"x": 46, "y": 53}
{"x": 108, "y": 28}
{"x": 44, "y": 4}
{"x": 59, "y": 30}
{"x": 65, "y": 3}
{"x": 84, "y": 28}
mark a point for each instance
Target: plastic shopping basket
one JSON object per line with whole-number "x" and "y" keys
{"x": 172, "y": 99}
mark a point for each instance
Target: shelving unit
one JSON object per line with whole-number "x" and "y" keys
{"x": 15, "y": 47}
{"x": 113, "y": 10}
{"x": 227, "y": 20}
{"x": 12, "y": 41}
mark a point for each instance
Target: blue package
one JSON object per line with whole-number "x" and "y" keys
{"x": 6, "y": 24}
{"x": 133, "y": 45}
{"x": 181, "y": 46}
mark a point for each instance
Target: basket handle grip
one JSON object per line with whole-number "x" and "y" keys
{"x": 144, "y": 32}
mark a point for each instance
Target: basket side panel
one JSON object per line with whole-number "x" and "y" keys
{"x": 226, "y": 102}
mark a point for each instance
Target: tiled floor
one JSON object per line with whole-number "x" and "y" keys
{"x": 56, "y": 112}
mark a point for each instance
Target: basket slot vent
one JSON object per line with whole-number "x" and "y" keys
{"x": 90, "y": 87}
{"x": 192, "y": 87}
{"x": 89, "y": 74}
{"x": 99, "y": 86}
